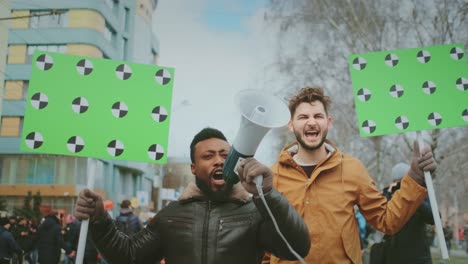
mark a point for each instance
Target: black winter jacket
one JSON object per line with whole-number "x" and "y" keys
{"x": 410, "y": 245}
{"x": 49, "y": 240}
{"x": 199, "y": 231}
{"x": 8, "y": 245}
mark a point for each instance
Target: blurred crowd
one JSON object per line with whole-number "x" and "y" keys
{"x": 53, "y": 239}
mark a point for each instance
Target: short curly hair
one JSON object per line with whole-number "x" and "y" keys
{"x": 309, "y": 95}
{"x": 125, "y": 204}
{"x": 204, "y": 134}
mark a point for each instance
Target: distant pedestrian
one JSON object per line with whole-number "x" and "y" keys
{"x": 50, "y": 239}
{"x": 430, "y": 234}
{"x": 410, "y": 245}
{"x": 8, "y": 245}
{"x": 461, "y": 236}
{"x": 13, "y": 223}
{"x": 71, "y": 234}
{"x": 25, "y": 239}
{"x": 32, "y": 223}
{"x": 128, "y": 222}
{"x": 465, "y": 233}
{"x": 448, "y": 234}
{"x": 361, "y": 221}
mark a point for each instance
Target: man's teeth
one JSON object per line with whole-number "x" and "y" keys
{"x": 218, "y": 175}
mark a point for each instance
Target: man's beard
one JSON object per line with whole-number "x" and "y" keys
{"x": 308, "y": 147}
{"x": 221, "y": 195}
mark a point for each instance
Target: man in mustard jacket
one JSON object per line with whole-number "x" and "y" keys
{"x": 324, "y": 184}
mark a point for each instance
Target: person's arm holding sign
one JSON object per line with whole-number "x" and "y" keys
{"x": 404, "y": 202}
{"x": 114, "y": 245}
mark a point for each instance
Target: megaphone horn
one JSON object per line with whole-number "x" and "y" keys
{"x": 260, "y": 112}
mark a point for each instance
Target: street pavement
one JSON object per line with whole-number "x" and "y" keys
{"x": 460, "y": 253}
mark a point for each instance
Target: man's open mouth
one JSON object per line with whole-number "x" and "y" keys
{"x": 313, "y": 133}
{"x": 218, "y": 175}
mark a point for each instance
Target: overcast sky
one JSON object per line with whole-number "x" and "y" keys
{"x": 217, "y": 49}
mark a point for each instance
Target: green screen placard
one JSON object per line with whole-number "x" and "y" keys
{"x": 410, "y": 89}
{"x": 99, "y": 108}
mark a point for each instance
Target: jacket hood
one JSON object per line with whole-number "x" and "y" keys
{"x": 238, "y": 193}
{"x": 286, "y": 155}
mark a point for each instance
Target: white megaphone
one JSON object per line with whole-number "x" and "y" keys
{"x": 260, "y": 112}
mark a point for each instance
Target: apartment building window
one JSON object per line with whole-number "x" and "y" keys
{"x": 28, "y": 169}
{"x": 51, "y": 48}
{"x": 48, "y": 19}
{"x": 11, "y": 126}
{"x": 100, "y": 175}
{"x": 36, "y": 169}
{"x": 109, "y": 33}
{"x": 147, "y": 185}
{"x": 12, "y": 170}
{"x": 42, "y": 170}
{"x": 19, "y": 165}
{"x": 16, "y": 90}
{"x": 126, "y": 18}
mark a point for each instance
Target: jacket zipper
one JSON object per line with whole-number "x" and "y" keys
{"x": 179, "y": 220}
{"x": 205, "y": 233}
{"x": 232, "y": 220}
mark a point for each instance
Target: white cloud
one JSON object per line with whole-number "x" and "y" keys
{"x": 211, "y": 66}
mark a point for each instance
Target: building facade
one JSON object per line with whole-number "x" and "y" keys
{"x": 112, "y": 29}
{"x": 177, "y": 174}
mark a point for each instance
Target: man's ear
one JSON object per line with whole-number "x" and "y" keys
{"x": 192, "y": 167}
{"x": 290, "y": 126}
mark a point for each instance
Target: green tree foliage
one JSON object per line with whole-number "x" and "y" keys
{"x": 37, "y": 200}
{"x": 3, "y": 203}
{"x": 28, "y": 210}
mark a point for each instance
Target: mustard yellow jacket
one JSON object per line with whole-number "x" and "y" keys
{"x": 326, "y": 202}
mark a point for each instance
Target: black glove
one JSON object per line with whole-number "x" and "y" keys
{"x": 250, "y": 168}
{"x": 421, "y": 161}
{"x": 89, "y": 206}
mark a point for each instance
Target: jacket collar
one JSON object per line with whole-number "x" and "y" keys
{"x": 286, "y": 155}
{"x": 192, "y": 192}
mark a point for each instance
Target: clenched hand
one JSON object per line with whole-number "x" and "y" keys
{"x": 250, "y": 168}
{"x": 89, "y": 206}
{"x": 422, "y": 161}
